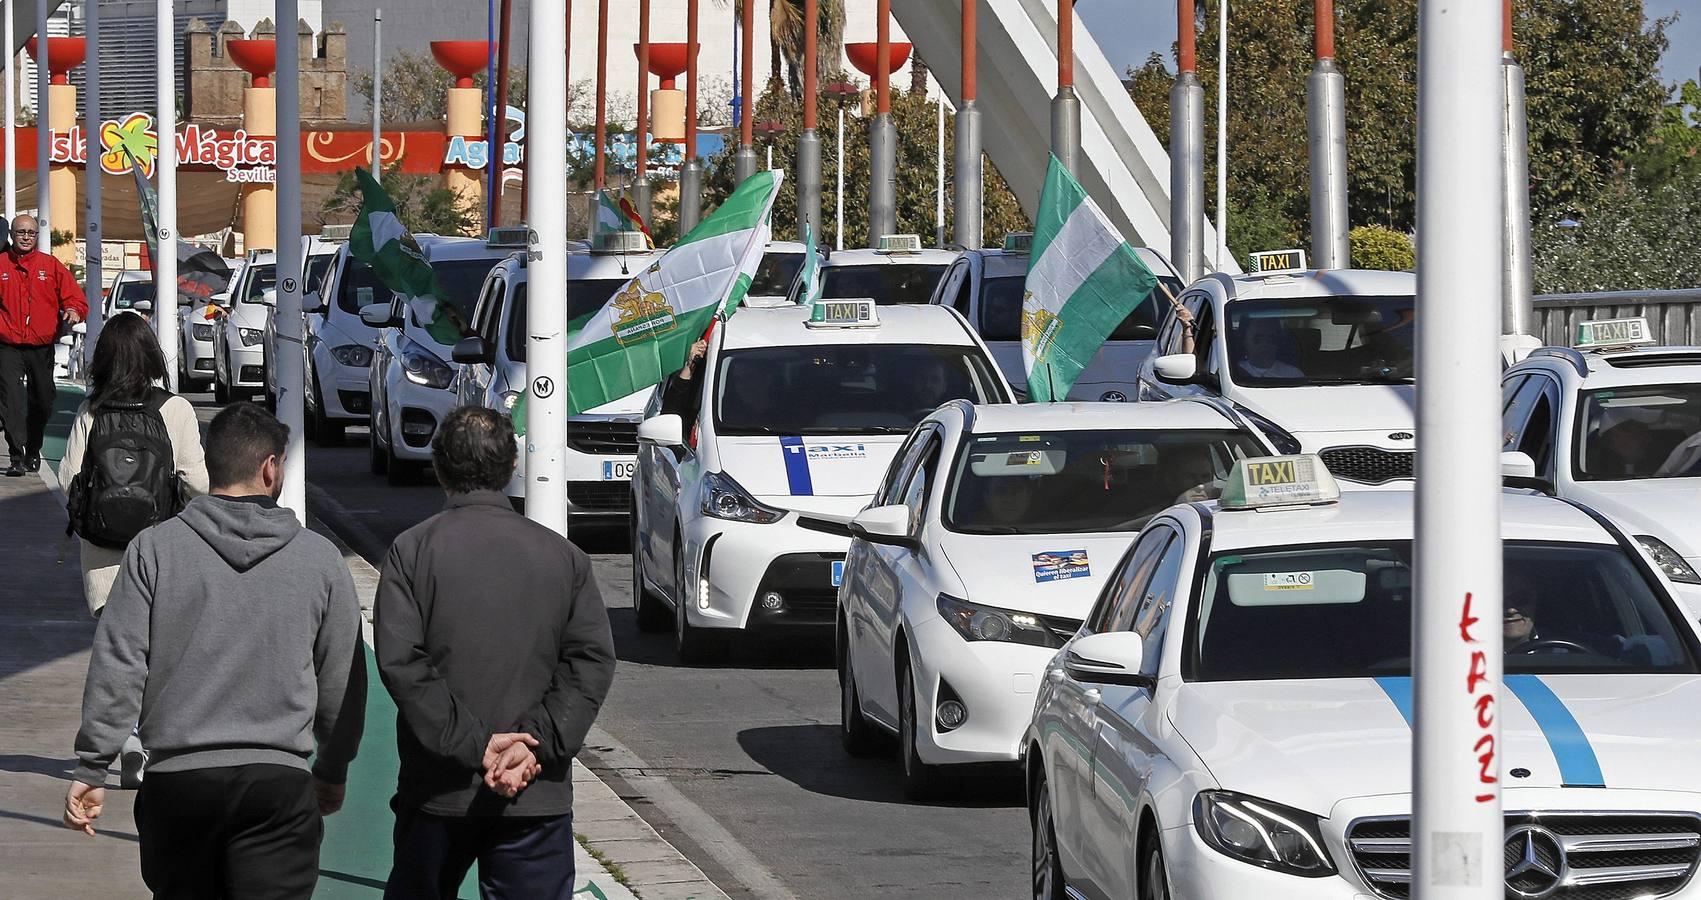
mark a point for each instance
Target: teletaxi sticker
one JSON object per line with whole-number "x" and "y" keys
{"x": 1289, "y": 581}
{"x": 1060, "y": 565}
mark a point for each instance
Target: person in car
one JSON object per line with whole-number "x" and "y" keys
{"x": 682, "y": 393}
{"x": 1264, "y": 341}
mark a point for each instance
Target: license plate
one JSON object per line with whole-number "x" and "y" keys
{"x": 838, "y": 572}
{"x": 618, "y": 469}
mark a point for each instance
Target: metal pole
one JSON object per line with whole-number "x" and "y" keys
{"x": 1326, "y": 121}
{"x": 691, "y": 173}
{"x": 1457, "y": 829}
{"x": 809, "y": 143}
{"x": 165, "y": 163}
{"x": 939, "y": 176}
{"x": 1187, "y": 154}
{"x": 1066, "y": 107}
{"x": 492, "y": 123}
{"x": 286, "y": 354}
{"x": 91, "y": 176}
{"x": 546, "y": 323}
{"x": 839, "y": 231}
{"x": 882, "y": 137}
{"x": 43, "y": 130}
{"x": 377, "y": 92}
{"x": 1517, "y": 315}
{"x": 966, "y": 167}
{"x": 12, "y": 115}
{"x": 641, "y": 168}
{"x": 499, "y": 117}
{"x": 744, "y": 162}
{"x": 1222, "y": 135}
{"x": 599, "y": 179}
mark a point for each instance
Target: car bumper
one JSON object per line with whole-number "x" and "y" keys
{"x": 746, "y": 562}
{"x": 199, "y": 356}
{"x": 413, "y": 413}
{"x": 346, "y": 391}
{"x": 1198, "y": 870}
{"x": 996, "y": 682}
{"x": 247, "y": 366}
{"x": 595, "y": 488}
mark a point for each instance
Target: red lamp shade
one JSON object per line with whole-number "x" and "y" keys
{"x": 258, "y": 58}
{"x": 865, "y": 56}
{"x": 63, "y": 55}
{"x": 461, "y": 59}
{"x": 667, "y": 61}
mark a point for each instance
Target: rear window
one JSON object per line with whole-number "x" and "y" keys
{"x": 775, "y": 275}
{"x": 1001, "y": 312}
{"x": 584, "y": 298}
{"x": 885, "y": 283}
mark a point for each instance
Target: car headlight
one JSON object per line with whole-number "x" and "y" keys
{"x": 352, "y": 355}
{"x": 724, "y": 498}
{"x": 423, "y": 367}
{"x": 509, "y": 398}
{"x": 201, "y": 331}
{"x": 1262, "y": 833}
{"x": 1668, "y": 560}
{"x": 989, "y": 623}
{"x": 250, "y": 336}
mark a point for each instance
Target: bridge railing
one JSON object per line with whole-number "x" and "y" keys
{"x": 1674, "y": 317}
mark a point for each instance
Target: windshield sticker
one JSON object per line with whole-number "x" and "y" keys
{"x": 1060, "y": 565}
{"x": 1288, "y": 581}
{"x": 1025, "y": 458}
{"x": 1029, "y": 438}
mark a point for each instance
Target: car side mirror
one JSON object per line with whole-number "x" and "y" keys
{"x": 1112, "y": 658}
{"x": 311, "y": 302}
{"x": 66, "y": 341}
{"x": 1518, "y": 470}
{"x": 667, "y": 430}
{"x": 80, "y": 328}
{"x": 889, "y": 525}
{"x": 378, "y": 315}
{"x": 472, "y": 349}
{"x": 1176, "y": 368}
{"x": 269, "y": 297}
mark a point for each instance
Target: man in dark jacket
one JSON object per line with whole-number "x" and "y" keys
{"x": 233, "y": 636}
{"x": 492, "y": 638}
{"x": 37, "y": 292}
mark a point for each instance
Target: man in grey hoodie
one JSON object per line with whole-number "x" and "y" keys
{"x": 233, "y": 636}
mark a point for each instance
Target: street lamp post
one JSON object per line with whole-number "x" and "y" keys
{"x": 641, "y": 166}
{"x": 91, "y": 178}
{"x": 287, "y": 354}
{"x": 966, "y": 168}
{"x": 809, "y": 143}
{"x": 768, "y": 128}
{"x": 842, "y": 91}
{"x": 546, "y": 323}
{"x": 1066, "y": 107}
{"x": 165, "y": 237}
{"x": 744, "y": 161}
{"x": 691, "y": 170}
{"x": 1187, "y": 153}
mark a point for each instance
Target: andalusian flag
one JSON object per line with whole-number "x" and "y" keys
{"x": 644, "y": 332}
{"x": 1083, "y": 280}
{"x": 381, "y": 241}
{"x": 615, "y": 212}
{"x": 808, "y": 287}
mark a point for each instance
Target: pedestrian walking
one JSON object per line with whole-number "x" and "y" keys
{"x": 37, "y": 292}
{"x": 493, "y": 640}
{"x": 233, "y": 636}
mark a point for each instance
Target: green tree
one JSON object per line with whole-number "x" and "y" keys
{"x": 1376, "y": 247}
{"x": 1675, "y": 144}
{"x": 1625, "y": 236}
{"x": 416, "y": 88}
{"x": 422, "y": 203}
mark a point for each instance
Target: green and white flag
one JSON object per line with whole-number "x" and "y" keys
{"x": 379, "y": 239}
{"x": 808, "y": 288}
{"x": 644, "y": 332}
{"x": 1083, "y": 280}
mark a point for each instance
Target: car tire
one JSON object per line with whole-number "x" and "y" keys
{"x": 1048, "y": 865}
{"x": 857, "y": 735}
{"x": 377, "y": 461}
{"x": 922, "y": 781}
{"x": 694, "y": 645}
{"x": 221, "y": 392}
{"x": 326, "y": 432}
{"x": 398, "y": 472}
{"x": 653, "y": 615}
{"x": 1154, "y": 881}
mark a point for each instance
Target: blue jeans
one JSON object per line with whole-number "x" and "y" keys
{"x": 518, "y": 857}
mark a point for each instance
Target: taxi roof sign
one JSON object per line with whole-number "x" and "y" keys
{"x": 333, "y": 233}
{"x": 1276, "y": 481}
{"x": 509, "y": 236}
{"x": 1276, "y": 262}
{"x": 1019, "y": 243}
{"x": 1606, "y": 334}
{"x": 900, "y": 243}
{"x": 852, "y": 313}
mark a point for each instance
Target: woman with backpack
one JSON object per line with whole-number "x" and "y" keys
{"x": 134, "y": 456}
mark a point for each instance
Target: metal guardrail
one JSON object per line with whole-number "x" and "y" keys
{"x": 1674, "y": 317}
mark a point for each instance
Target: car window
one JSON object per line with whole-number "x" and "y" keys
{"x": 359, "y": 286}
{"x": 1508, "y": 390}
{"x": 885, "y": 282}
{"x": 488, "y": 317}
{"x": 313, "y": 274}
{"x": 1517, "y": 409}
{"x": 1645, "y": 431}
{"x": 775, "y": 274}
{"x": 1536, "y": 438}
{"x": 891, "y": 484}
{"x": 584, "y": 298}
{"x": 261, "y": 278}
{"x": 920, "y": 482}
{"x": 1119, "y": 601}
{"x": 1276, "y": 342}
{"x": 962, "y": 295}
{"x": 1151, "y": 618}
{"x": 1001, "y": 312}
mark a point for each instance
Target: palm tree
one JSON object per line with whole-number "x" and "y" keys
{"x": 785, "y": 39}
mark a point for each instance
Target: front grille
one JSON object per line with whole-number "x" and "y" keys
{"x": 249, "y": 373}
{"x": 610, "y": 496}
{"x": 1371, "y": 465}
{"x": 1582, "y": 856}
{"x": 805, "y": 582}
{"x": 603, "y": 437}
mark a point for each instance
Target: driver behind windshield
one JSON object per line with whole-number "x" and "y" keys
{"x": 1265, "y": 342}
{"x": 1519, "y": 621}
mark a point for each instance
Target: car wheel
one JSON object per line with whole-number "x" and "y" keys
{"x": 1154, "y": 883}
{"x": 693, "y": 644}
{"x": 221, "y": 388}
{"x": 1048, "y": 867}
{"x": 856, "y": 735}
{"x": 377, "y": 461}
{"x": 398, "y": 472}
{"x": 921, "y": 780}
{"x": 183, "y": 382}
{"x": 326, "y": 432}
{"x": 653, "y": 615}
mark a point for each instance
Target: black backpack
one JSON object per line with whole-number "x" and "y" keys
{"x": 129, "y": 478}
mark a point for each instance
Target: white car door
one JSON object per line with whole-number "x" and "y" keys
{"x": 865, "y": 575}
{"x": 897, "y": 573}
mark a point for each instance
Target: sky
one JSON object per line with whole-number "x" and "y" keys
{"x": 1130, "y": 30}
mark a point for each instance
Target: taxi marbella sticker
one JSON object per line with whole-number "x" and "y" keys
{"x": 1060, "y": 565}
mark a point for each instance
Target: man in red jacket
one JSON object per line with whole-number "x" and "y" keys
{"x": 37, "y": 292}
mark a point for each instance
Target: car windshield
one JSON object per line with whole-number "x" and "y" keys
{"x": 584, "y": 298}
{"x": 131, "y": 293}
{"x": 314, "y": 273}
{"x": 775, "y": 274}
{"x": 461, "y": 280}
{"x": 1320, "y": 340}
{"x": 1647, "y": 431}
{"x": 263, "y": 278}
{"x": 885, "y": 282}
{"x": 1345, "y": 611}
{"x": 359, "y": 286}
{"x": 845, "y": 388}
{"x": 1073, "y": 481}
{"x": 1001, "y": 312}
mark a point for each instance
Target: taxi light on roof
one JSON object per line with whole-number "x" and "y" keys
{"x": 1276, "y": 262}
{"x": 1273, "y": 481}
{"x": 335, "y": 232}
{"x": 1019, "y": 243}
{"x": 619, "y": 242}
{"x": 900, "y": 243}
{"x": 1602, "y": 334}
{"x": 857, "y": 313}
{"x": 515, "y": 236}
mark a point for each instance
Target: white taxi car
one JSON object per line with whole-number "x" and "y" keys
{"x": 1321, "y": 360}
{"x": 239, "y": 335}
{"x": 1616, "y": 424}
{"x": 602, "y": 443}
{"x": 986, "y": 286}
{"x": 900, "y": 270}
{"x": 982, "y": 552}
{"x": 412, "y": 377}
{"x": 1234, "y": 717}
{"x": 786, "y": 417}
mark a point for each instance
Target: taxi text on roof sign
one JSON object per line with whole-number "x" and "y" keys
{"x": 857, "y": 313}
{"x": 1279, "y": 481}
{"x": 900, "y": 243}
{"x": 1275, "y": 262}
{"x": 1600, "y": 334}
